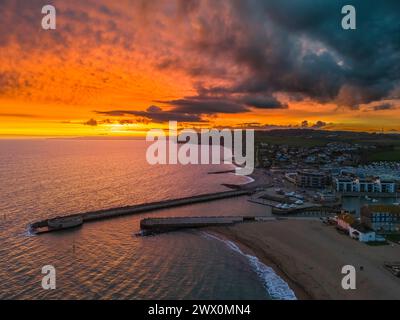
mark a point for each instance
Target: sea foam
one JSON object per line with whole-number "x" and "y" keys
{"x": 276, "y": 287}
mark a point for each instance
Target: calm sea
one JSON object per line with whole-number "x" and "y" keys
{"x": 104, "y": 260}
{"x": 356, "y": 203}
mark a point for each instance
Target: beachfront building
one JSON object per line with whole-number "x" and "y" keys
{"x": 345, "y": 220}
{"x": 366, "y": 185}
{"x": 381, "y": 217}
{"x": 388, "y": 186}
{"x": 356, "y": 229}
{"x": 344, "y": 184}
{"x": 361, "y": 232}
{"x": 311, "y": 179}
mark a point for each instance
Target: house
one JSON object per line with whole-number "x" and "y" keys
{"x": 361, "y": 232}
{"x": 381, "y": 217}
{"x": 345, "y": 220}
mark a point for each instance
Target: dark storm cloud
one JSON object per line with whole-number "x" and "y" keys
{"x": 264, "y": 103}
{"x": 155, "y": 114}
{"x": 256, "y": 47}
{"x": 205, "y": 105}
{"x": 299, "y": 47}
{"x": 384, "y": 106}
{"x": 193, "y": 109}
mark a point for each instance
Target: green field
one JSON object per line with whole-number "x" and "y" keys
{"x": 386, "y": 155}
{"x": 293, "y": 141}
{"x": 388, "y": 145}
{"x": 395, "y": 237}
{"x": 377, "y": 243}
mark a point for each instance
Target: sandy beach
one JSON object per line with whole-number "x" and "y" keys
{"x": 310, "y": 255}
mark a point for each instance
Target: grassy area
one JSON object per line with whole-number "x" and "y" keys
{"x": 382, "y": 142}
{"x": 386, "y": 155}
{"x": 377, "y": 243}
{"x": 388, "y": 145}
{"x": 394, "y": 237}
{"x": 293, "y": 141}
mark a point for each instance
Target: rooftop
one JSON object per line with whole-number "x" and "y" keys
{"x": 311, "y": 172}
{"x": 383, "y": 208}
{"x": 348, "y": 218}
{"x": 345, "y": 179}
{"x": 361, "y": 227}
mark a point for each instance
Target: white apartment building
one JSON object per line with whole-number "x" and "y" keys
{"x": 367, "y": 185}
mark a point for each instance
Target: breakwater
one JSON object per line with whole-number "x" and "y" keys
{"x": 44, "y": 226}
{"x": 160, "y": 225}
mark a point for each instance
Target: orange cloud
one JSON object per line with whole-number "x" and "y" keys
{"x": 198, "y": 61}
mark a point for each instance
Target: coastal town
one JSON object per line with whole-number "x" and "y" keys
{"x": 322, "y": 179}
{"x": 306, "y": 216}
{"x": 199, "y": 158}
{"x": 334, "y": 199}
{"x": 315, "y": 174}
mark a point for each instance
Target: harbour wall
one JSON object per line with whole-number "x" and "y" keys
{"x": 146, "y": 207}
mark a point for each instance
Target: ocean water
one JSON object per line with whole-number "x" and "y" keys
{"x": 356, "y": 203}
{"x": 104, "y": 260}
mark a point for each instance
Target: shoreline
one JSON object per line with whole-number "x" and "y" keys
{"x": 249, "y": 248}
{"x": 310, "y": 256}
{"x": 254, "y": 180}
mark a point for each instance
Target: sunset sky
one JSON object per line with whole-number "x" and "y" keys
{"x": 121, "y": 67}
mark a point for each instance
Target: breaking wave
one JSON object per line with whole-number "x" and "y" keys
{"x": 276, "y": 287}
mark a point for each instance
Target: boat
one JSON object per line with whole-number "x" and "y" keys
{"x": 375, "y": 200}
{"x": 396, "y": 203}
